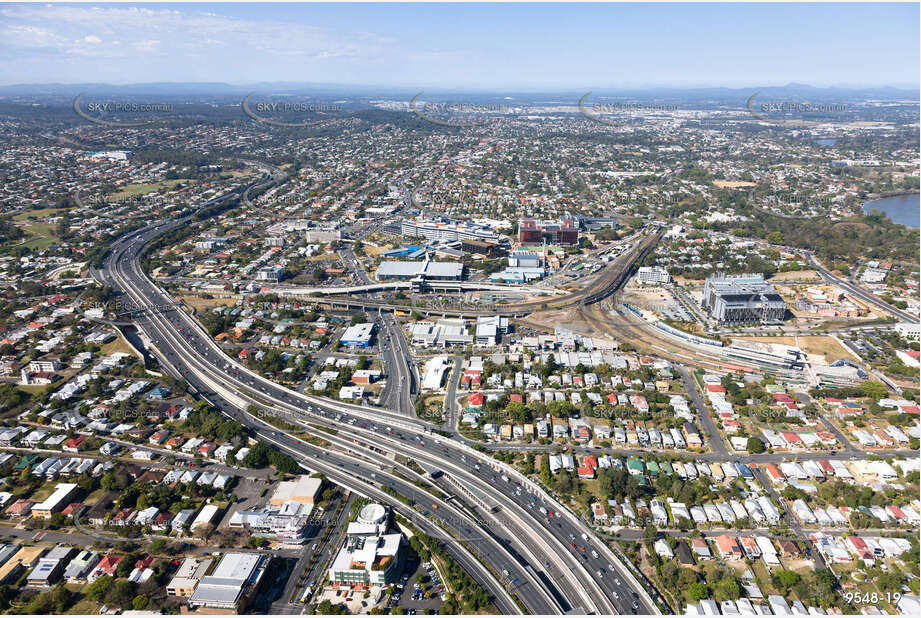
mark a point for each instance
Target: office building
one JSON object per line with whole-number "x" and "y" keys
{"x": 270, "y": 273}
{"x": 369, "y": 556}
{"x": 743, "y": 299}
{"x": 489, "y": 329}
{"x": 481, "y": 247}
{"x": 447, "y": 229}
{"x": 61, "y": 497}
{"x": 562, "y": 232}
{"x": 909, "y": 331}
{"x": 187, "y": 576}
{"x": 652, "y": 275}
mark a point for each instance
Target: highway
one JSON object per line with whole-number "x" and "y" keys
{"x": 858, "y": 291}
{"x": 348, "y": 471}
{"x": 544, "y": 558}
{"x": 402, "y": 381}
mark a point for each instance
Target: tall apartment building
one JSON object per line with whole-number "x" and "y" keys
{"x": 743, "y": 299}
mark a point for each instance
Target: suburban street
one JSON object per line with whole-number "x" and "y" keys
{"x": 185, "y": 349}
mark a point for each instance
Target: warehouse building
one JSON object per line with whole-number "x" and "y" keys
{"x": 425, "y": 270}
{"x": 232, "y": 583}
{"x": 525, "y": 259}
{"x": 61, "y": 497}
{"x": 358, "y": 336}
{"x": 50, "y": 567}
{"x": 743, "y": 299}
{"x": 303, "y": 491}
{"x": 443, "y": 333}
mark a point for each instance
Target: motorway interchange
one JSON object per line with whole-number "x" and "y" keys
{"x": 529, "y": 552}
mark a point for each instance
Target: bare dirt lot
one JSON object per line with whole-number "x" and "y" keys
{"x": 796, "y": 275}
{"x": 732, "y": 184}
{"x": 812, "y": 344}
{"x": 564, "y": 318}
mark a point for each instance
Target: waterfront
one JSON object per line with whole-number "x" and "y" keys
{"x": 902, "y": 209}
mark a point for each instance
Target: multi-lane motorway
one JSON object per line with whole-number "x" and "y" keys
{"x": 550, "y": 563}
{"x": 402, "y": 382}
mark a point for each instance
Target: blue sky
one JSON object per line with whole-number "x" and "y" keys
{"x": 475, "y": 46}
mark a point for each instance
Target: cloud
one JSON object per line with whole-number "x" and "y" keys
{"x": 176, "y": 45}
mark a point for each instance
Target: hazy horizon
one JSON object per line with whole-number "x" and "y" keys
{"x": 475, "y": 47}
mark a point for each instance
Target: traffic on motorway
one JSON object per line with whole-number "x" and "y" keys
{"x": 562, "y": 548}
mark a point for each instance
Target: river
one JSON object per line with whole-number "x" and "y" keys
{"x": 904, "y": 209}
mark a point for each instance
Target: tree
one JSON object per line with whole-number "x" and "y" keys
{"x": 120, "y": 593}
{"x": 873, "y": 390}
{"x": 98, "y": 589}
{"x": 545, "y": 469}
{"x": 326, "y": 608}
{"x": 125, "y": 567}
{"x": 755, "y": 445}
{"x": 108, "y": 481}
{"x": 686, "y": 577}
{"x": 726, "y": 589}
{"x": 698, "y": 591}
{"x": 518, "y": 412}
{"x": 787, "y": 579}
{"x": 140, "y": 602}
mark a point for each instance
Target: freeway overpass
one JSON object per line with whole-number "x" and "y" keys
{"x": 596, "y": 581}
{"x": 390, "y": 286}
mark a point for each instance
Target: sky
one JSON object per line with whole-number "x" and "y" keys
{"x": 490, "y": 47}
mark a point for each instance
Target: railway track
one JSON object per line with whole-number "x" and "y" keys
{"x": 630, "y": 329}
{"x": 622, "y": 329}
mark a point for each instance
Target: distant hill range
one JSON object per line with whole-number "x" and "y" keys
{"x": 219, "y": 92}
